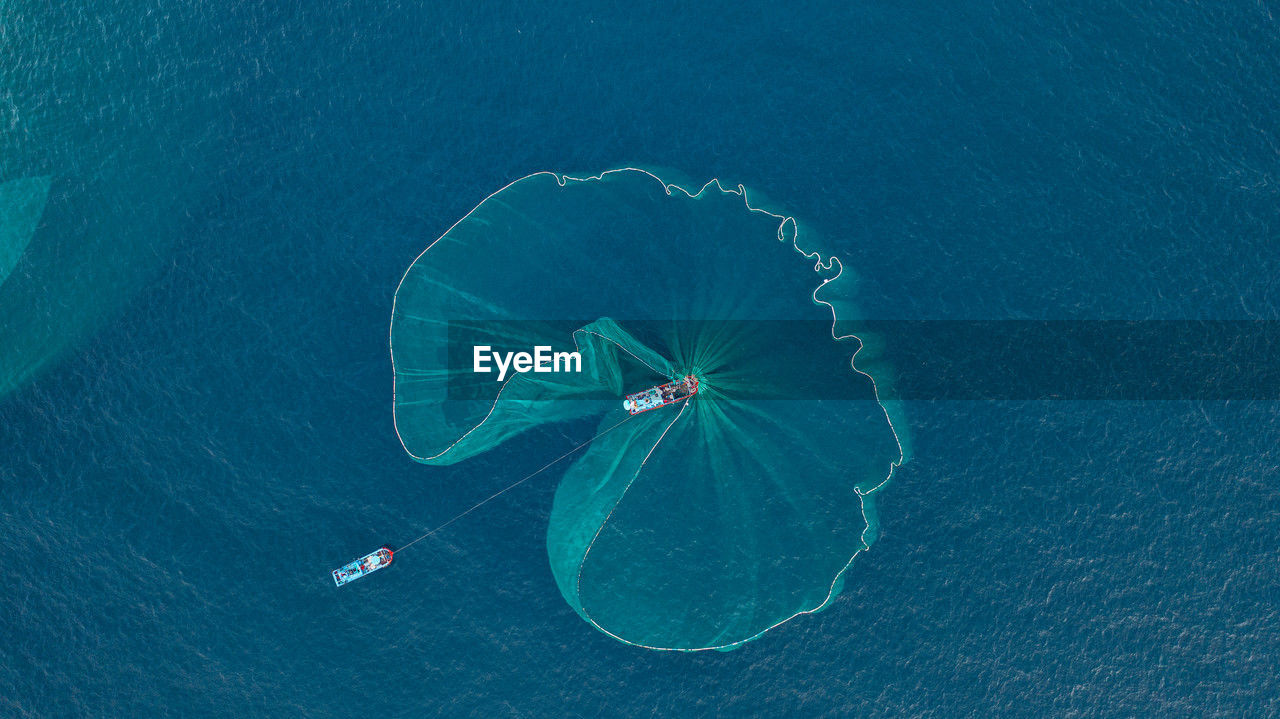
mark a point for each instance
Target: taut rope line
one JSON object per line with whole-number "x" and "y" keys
{"x": 514, "y": 485}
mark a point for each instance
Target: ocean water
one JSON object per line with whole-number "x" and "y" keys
{"x": 195, "y": 424}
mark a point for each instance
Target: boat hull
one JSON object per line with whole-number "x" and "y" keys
{"x": 367, "y": 564}
{"x": 662, "y": 395}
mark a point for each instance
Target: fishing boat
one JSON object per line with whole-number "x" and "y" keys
{"x": 367, "y": 564}
{"x": 662, "y": 395}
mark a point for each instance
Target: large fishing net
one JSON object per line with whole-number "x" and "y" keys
{"x": 697, "y": 525}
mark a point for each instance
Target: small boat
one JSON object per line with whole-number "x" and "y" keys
{"x": 662, "y": 395}
{"x": 367, "y": 564}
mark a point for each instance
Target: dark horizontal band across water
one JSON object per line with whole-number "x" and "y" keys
{"x": 933, "y": 359}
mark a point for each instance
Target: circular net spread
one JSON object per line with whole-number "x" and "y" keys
{"x": 697, "y": 525}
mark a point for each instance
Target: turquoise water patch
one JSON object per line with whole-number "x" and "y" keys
{"x": 21, "y": 205}
{"x": 699, "y": 525}
{"x": 110, "y": 130}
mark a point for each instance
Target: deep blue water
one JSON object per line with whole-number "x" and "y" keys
{"x": 202, "y": 423}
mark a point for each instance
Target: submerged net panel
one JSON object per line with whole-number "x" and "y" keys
{"x": 704, "y": 525}
{"x": 21, "y": 204}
